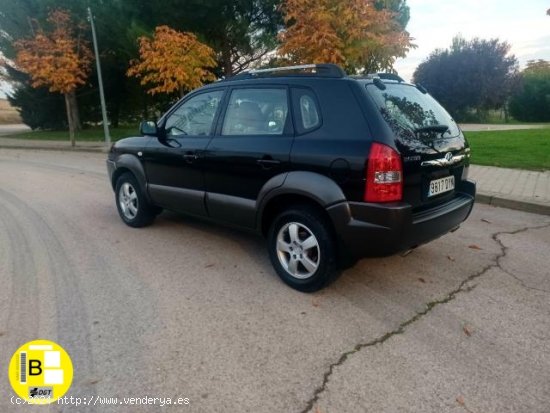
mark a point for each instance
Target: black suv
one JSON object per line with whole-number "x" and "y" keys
{"x": 330, "y": 168}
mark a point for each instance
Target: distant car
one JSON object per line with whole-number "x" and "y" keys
{"x": 330, "y": 168}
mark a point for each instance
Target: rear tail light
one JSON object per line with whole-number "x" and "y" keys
{"x": 384, "y": 175}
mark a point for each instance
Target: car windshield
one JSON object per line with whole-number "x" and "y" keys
{"x": 408, "y": 111}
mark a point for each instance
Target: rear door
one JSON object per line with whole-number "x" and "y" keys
{"x": 434, "y": 151}
{"x": 251, "y": 146}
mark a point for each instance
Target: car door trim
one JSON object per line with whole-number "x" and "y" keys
{"x": 232, "y": 209}
{"x": 190, "y": 201}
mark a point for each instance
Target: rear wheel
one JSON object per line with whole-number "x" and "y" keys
{"x": 302, "y": 250}
{"x": 133, "y": 207}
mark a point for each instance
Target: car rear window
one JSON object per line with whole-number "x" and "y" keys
{"x": 406, "y": 109}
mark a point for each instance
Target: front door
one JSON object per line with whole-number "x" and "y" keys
{"x": 173, "y": 162}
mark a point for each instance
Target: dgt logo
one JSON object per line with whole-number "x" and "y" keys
{"x": 41, "y": 372}
{"x": 40, "y": 392}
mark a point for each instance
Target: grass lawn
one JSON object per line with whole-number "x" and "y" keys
{"x": 525, "y": 149}
{"x": 89, "y": 135}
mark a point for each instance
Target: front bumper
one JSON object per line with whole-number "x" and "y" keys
{"x": 111, "y": 166}
{"x": 384, "y": 229}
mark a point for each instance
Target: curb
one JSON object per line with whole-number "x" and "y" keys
{"x": 513, "y": 203}
{"x": 57, "y": 148}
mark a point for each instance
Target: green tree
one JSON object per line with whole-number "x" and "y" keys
{"x": 119, "y": 23}
{"x": 38, "y": 107}
{"x": 531, "y": 103}
{"x": 242, "y": 32}
{"x": 470, "y": 77}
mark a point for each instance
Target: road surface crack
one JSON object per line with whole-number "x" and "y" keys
{"x": 461, "y": 288}
{"x": 505, "y": 249}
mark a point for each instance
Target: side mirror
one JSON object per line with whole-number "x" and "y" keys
{"x": 148, "y": 128}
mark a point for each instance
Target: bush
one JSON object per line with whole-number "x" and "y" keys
{"x": 39, "y": 108}
{"x": 531, "y": 103}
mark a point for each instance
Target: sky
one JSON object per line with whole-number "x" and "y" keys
{"x": 433, "y": 24}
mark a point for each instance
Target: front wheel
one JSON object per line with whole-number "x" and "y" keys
{"x": 302, "y": 250}
{"x": 133, "y": 207}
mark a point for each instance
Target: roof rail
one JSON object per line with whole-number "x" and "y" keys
{"x": 390, "y": 76}
{"x": 318, "y": 70}
{"x": 384, "y": 76}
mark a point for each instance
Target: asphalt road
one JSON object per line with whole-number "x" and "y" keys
{"x": 188, "y": 309}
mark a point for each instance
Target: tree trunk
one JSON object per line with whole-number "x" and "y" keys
{"x": 506, "y": 116}
{"x": 70, "y": 119}
{"x": 226, "y": 60}
{"x": 75, "y": 112}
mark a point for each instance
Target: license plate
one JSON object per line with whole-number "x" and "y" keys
{"x": 440, "y": 186}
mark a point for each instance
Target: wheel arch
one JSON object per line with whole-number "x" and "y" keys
{"x": 129, "y": 163}
{"x": 298, "y": 188}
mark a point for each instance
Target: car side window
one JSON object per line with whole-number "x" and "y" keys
{"x": 306, "y": 110}
{"x": 195, "y": 116}
{"x": 256, "y": 112}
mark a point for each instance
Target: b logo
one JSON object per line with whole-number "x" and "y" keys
{"x": 40, "y": 372}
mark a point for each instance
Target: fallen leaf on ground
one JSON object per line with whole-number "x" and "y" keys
{"x": 486, "y": 220}
{"x": 209, "y": 266}
{"x": 450, "y": 258}
{"x": 467, "y": 330}
{"x": 461, "y": 402}
{"x": 474, "y": 247}
{"x": 422, "y": 280}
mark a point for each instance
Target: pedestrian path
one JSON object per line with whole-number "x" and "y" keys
{"x": 513, "y": 188}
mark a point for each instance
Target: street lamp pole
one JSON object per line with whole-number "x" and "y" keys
{"x": 100, "y": 81}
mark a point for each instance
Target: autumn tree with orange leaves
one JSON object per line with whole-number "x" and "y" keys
{"x": 352, "y": 33}
{"x": 58, "y": 59}
{"x": 172, "y": 61}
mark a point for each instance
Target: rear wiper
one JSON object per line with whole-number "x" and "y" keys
{"x": 432, "y": 128}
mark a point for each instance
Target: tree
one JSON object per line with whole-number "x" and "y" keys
{"x": 356, "y": 34}
{"x": 172, "y": 62}
{"x": 242, "y": 32}
{"x": 59, "y": 60}
{"x": 531, "y": 103}
{"x": 118, "y": 23}
{"x": 37, "y": 107}
{"x": 474, "y": 75}
{"x": 382, "y": 58}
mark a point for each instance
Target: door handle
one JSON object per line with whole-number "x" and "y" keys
{"x": 190, "y": 157}
{"x": 267, "y": 162}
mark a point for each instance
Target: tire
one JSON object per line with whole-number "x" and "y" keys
{"x": 132, "y": 206}
{"x": 304, "y": 263}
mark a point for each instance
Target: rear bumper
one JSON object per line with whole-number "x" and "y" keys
{"x": 384, "y": 229}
